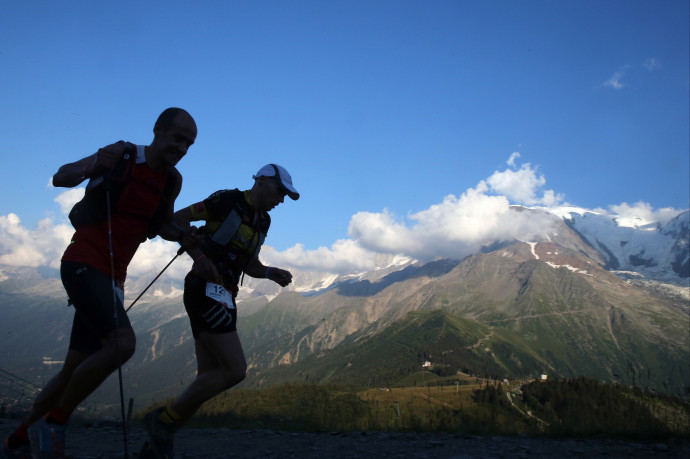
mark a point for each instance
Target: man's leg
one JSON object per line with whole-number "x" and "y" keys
{"x": 80, "y": 375}
{"x": 221, "y": 365}
{"x": 47, "y": 399}
{"x": 48, "y": 434}
{"x": 51, "y": 393}
{"x": 94, "y": 332}
{"x": 118, "y": 347}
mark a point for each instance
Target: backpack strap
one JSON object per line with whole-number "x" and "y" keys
{"x": 161, "y": 214}
{"x": 141, "y": 154}
{"x": 122, "y": 169}
{"x": 91, "y": 209}
{"x": 262, "y": 238}
{"x": 227, "y": 230}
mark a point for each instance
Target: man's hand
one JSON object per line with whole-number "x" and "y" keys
{"x": 279, "y": 276}
{"x": 73, "y": 174}
{"x": 191, "y": 238}
{"x": 106, "y": 158}
{"x": 204, "y": 268}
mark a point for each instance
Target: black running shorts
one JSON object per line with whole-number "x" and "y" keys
{"x": 206, "y": 314}
{"x": 91, "y": 293}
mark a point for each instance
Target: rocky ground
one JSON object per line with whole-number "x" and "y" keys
{"x": 106, "y": 441}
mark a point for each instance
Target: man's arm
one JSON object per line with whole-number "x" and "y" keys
{"x": 257, "y": 269}
{"x": 72, "y": 174}
{"x": 175, "y": 229}
{"x": 180, "y": 229}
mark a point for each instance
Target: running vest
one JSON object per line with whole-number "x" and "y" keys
{"x": 228, "y": 246}
{"x": 92, "y": 208}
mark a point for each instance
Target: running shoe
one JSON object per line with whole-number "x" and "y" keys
{"x": 161, "y": 434}
{"x": 48, "y": 439}
{"x": 22, "y": 452}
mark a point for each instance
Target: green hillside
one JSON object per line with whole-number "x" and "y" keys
{"x": 502, "y": 315}
{"x": 577, "y": 407}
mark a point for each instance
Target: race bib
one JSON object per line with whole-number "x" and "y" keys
{"x": 218, "y": 293}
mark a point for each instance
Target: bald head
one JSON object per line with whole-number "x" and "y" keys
{"x": 165, "y": 119}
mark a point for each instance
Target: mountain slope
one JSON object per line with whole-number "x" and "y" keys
{"x": 548, "y": 310}
{"x": 517, "y": 309}
{"x": 655, "y": 250}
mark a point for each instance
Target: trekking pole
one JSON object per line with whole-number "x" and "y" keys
{"x": 115, "y": 314}
{"x": 179, "y": 252}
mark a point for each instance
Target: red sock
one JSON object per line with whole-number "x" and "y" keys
{"x": 58, "y": 415}
{"x": 22, "y": 432}
{"x": 19, "y": 438}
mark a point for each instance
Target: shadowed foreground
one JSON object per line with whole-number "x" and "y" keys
{"x": 106, "y": 442}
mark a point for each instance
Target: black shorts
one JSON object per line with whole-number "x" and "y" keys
{"x": 91, "y": 293}
{"x": 206, "y": 314}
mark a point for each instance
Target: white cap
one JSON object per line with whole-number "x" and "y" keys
{"x": 274, "y": 170}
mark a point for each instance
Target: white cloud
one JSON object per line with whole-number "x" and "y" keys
{"x": 455, "y": 227}
{"x": 651, "y": 64}
{"x": 381, "y": 233}
{"x": 40, "y": 247}
{"x": 522, "y": 186}
{"x": 45, "y": 245}
{"x": 344, "y": 256}
{"x": 69, "y": 198}
{"x": 154, "y": 255}
{"x": 641, "y": 213}
{"x": 615, "y": 81}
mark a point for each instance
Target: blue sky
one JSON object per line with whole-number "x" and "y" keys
{"x": 386, "y": 113}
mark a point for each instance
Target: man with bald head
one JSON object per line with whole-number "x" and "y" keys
{"x": 130, "y": 196}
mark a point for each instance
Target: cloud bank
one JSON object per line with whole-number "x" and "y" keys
{"x": 42, "y": 246}
{"x": 453, "y": 228}
{"x": 616, "y": 80}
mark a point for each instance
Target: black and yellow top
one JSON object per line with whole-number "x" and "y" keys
{"x": 234, "y": 232}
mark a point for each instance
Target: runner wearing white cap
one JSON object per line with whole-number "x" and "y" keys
{"x": 236, "y": 224}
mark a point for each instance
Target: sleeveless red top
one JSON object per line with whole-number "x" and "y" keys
{"x": 130, "y": 222}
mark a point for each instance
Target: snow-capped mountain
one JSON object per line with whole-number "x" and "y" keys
{"x": 653, "y": 251}
{"x": 656, "y": 251}
{"x": 631, "y": 248}
{"x": 310, "y": 283}
{"x": 543, "y": 302}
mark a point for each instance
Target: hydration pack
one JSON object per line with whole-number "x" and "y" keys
{"x": 93, "y": 209}
{"x": 217, "y": 245}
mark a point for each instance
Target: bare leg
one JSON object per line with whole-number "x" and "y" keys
{"x": 220, "y": 365}
{"x": 51, "y": 393}
{"x": 82, "y": 373}
{"x": 118, "y": 347}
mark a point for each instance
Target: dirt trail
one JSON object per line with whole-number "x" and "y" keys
{"x": 107, "y": 442}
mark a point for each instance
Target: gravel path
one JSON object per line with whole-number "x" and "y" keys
{"x": 106, "y": 442}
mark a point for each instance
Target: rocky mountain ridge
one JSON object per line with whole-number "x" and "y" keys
{"x": 516, "y": 309}
{"x": 651, "y": 251}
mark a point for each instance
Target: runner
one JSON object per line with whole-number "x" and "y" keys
{"x": 236, "y": 223}
{"x": 139, "y": 184}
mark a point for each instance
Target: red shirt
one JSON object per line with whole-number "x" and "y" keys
{"x": 129, "y": 222}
